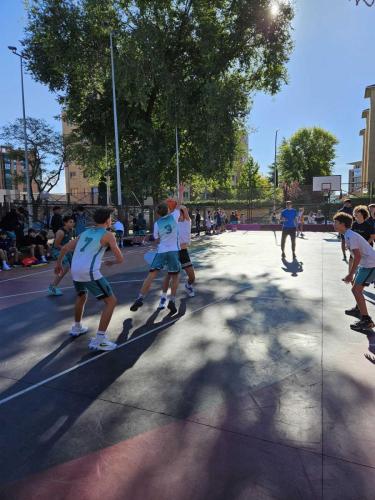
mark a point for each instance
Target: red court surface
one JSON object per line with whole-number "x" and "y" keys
{"x": 256, "y": 389}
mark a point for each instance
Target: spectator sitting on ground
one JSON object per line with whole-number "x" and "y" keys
{"x": 319, "y": 217}
{"x": 7, "y": 245}
{"x": 30, "y": 243}
{"x": 42, "y": 239}
{"x": 56, "y": 220}
{"x": 13, "y": 224}
{"x": 311, "y": 218}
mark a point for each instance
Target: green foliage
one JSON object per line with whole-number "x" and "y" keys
{"x": 192, "y": 64}
{"x": 309, "y": 152}
{"x": 254, "y": 184}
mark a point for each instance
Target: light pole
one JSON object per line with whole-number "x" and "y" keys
{"x": 178, "y": 163}
{"x": 275, "y": 173}
{"x": 118, "y": 175}
{"x": 27, "y": 172}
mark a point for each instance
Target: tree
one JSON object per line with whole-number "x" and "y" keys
{"x": 254, "y": 184}
{"x": 309, "y": 152}
{"x": 369, "y": 3}
{"x": 47, "y": 152}
{"x": 186, "y": 63}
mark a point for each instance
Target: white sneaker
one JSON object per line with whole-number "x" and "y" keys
{"x": 43, "y": 259}
{"x": 6, "y": 267}
{"x": 76, "y": 331}
{"x": 162, "y": 303}
{"x": 189, "y": 290}
{"x": 102, "y": 345}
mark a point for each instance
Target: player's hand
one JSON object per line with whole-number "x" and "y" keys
{"x": 59, "y": 269}
{"x": 348, "y": 278}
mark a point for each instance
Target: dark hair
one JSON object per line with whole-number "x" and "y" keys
{"x": 81, "y": 208}
{"x": 348, "y": 200}
{"x": 67, "y": 218}
{"x": 31, "y": 230}
{"x": 101, "y": 215}
{"x": 362, "y": 209}
{"x": 344, "y": 218}
{"x": 372, "y": 205}
{"x": 3, "y": 233}
{"x": 56, "y": 208}
{"x": 162, "y": 209}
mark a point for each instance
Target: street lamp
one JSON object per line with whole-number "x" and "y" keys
{"x": 275, "y": 173}
{"x": 118, "y": 175}
{"x": 27, "y": 173}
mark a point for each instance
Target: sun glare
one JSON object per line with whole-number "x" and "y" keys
{"x": 275, "y": 9}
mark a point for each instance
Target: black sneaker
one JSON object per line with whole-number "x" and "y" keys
{"x": 137, "y": 304}
{"x": 353, "y": 312}
{"x": 363, "y": 325}
{"x": 172, "y": 307}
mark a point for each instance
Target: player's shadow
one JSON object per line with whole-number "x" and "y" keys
{"x": 294, "y": 267}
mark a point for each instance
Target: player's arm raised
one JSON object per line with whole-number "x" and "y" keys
{"x": 110, "y": 240}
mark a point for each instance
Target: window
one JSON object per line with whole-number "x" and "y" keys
{"x": 72, "y": 174}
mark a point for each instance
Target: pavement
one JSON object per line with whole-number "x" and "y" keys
{"x": 256, "y": 389}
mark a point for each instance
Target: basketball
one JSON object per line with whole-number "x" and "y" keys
{"x": 172, "y": 204}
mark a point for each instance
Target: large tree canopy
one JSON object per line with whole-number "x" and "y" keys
{"x": 309, "y": 152}
{"x": 192, "y": 64}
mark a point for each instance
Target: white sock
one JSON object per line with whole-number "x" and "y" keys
{"x": 100, "y": 334}
{"x": 172, "y": 298}
{"x": 164, "y": 295}
{"x": 77, "y": 324}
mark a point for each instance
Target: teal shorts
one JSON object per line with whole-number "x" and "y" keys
{"x": 168, "y": 260}
{"x": 364, "y": 276}
{"x": 67, "y": 260}
{"x": 100, "y": 288}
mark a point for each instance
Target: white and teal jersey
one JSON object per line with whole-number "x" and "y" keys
{"x": 88, "y": 255}
{"x": 166, "y": 229}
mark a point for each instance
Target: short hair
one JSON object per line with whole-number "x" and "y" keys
{"x": 31, "y": 230}
{"x": 3, "y": 233}
{"x": 80, "y": 208}
{"x": 67, "y": 218}
{"x": 348, "y": 200}
{"x": 288, "y": 202}
{"x": 56, "y": 208}
{"x": 101, "y": 215}
{"x": 372, "y": 205}
{"x": 362, "y": 209}
{"x": 162, "y": 209}
{"x": 344, "y": 218}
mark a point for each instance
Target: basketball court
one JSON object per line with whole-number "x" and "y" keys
{"x": 256, "y": 389}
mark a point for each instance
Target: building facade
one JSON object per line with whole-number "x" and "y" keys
{"x": 355, "y": 177}
{"x": 368, "y": 136}
{"x": 78, "y": 187}
{"x": 12, "y": 176}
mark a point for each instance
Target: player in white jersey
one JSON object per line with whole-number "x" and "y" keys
{"x": 362, "y": 272}
{"x": 89, "y": 249}
{"x": 184, "y": 229}
{"x": 166, "y": 232}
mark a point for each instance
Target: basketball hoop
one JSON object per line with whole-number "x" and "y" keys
{"x": 326, "y": 192}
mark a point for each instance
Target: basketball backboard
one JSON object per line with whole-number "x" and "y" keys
{"x": 327, "y": 183}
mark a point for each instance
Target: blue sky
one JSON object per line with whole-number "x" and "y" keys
{"x": 331, "y": 64}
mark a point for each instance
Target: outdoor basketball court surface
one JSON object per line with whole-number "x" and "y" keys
{"x": 256, "y": 389}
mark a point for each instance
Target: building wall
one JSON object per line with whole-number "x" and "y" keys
{"x": 12, "y": 177}
{"x": 77, "y": 185}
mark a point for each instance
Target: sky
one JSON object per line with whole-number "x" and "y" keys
{"x": 331, "y": 64}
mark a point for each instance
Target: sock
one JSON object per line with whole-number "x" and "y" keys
{"x": 77, "y": 324}
{"x": 164, "y": 295}
{"x": 172, "y": 298}
{"x": 140, "y": 296}
{"x": 100, "y": 334}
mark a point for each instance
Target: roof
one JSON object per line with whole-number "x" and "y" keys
{"x": 368, "y": 90}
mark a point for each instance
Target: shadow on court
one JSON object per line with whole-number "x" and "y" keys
{"x": 294, "y": 267}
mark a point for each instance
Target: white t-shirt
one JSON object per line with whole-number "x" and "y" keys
{"x": 356, "y": 241}
{"x": 184, "y": 230}
{"x": 166, "y": 229}
{"x": 118, "y": 226}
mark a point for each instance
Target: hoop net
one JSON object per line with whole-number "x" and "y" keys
{"x": 369, "y": 3}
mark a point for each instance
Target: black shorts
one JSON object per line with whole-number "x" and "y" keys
{"x": 185, "y": 258}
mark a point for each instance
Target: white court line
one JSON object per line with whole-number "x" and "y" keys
{"x": 67, "y": 288}
{"x": 78, "y": 365}
{"x": 25, "y": 276}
